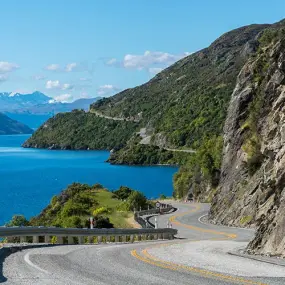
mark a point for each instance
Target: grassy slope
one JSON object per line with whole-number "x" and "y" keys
{"x": 118, "y": 218}
{"x": 79, "y": 201}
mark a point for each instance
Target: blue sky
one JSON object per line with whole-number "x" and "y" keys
{"x": 69, "y": 49}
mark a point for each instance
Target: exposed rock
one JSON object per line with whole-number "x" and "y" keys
{"x": 252, "y": 184}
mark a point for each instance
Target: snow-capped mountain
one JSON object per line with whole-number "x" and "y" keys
{"x": 10, "y": 101}
{"x": 39, "y": 103}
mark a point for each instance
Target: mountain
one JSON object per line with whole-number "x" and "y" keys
{"x": 15, "y": 101}
{"x": 184, "y": 106}
{"x": 12, "y": 127}
{"x": 252, "y": 186}
{"x": 227, "y": 103}
{"x": 39, "y": 103}
{"x": 59, "y": 107}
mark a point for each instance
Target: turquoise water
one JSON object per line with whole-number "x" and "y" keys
{"x": 30, "y": 177}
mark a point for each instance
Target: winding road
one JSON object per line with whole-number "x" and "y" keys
{"x": 198, "y": 256}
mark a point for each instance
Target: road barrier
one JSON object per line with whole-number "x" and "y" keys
{"x": 54, "y": 235}
{"x": 82, "y": 236}
{"x": 141, "y": 217}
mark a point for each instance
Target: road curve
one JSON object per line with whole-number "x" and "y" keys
{"x": 182, "y": 261}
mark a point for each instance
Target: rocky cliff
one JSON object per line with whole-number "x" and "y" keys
{"x": 252, "y": 183}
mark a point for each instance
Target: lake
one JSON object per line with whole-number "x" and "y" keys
{"x": 30, "y": 177}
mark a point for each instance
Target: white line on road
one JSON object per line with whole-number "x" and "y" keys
{"x": 28, "y": 261}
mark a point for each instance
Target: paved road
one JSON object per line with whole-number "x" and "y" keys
{"x": 197, "y": 257}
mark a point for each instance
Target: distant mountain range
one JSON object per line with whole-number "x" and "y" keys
{"x": 9, "y": 126}
{"x": 39, "y": 103}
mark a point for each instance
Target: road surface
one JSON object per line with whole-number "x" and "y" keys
{"x": 198, "y": 257}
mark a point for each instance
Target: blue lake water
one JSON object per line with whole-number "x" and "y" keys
{"x": 30, "y": 177}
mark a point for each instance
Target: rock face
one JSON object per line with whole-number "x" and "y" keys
{"x": 252, "y": 184}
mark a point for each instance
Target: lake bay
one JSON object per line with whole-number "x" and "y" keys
{"x": 30, "y": 177}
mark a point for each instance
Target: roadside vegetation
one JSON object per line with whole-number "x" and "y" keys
{"x": 73, "y": 207}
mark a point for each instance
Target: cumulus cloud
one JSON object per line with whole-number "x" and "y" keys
{"x": 146, "y": 60}
{"x": 71, "y": 67}
{"x": 53, "y": 67}
{"x": 107, "y": 90}
{"x": 50, "y": 84}
{"x": 8, "y": 66}
{"x": 64, "y": 98}
{"x": 83, "y": 66}
{"x": 154, "y": 70}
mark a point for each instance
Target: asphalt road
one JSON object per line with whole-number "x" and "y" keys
{"x": 198, "y": 256}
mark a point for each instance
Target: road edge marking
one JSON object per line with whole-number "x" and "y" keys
{"x": 29, "y": 262}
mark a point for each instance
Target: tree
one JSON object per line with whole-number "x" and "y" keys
{"x": 123, "y": 192}
{"x": 136, "y": 200}
{"x": 18, "y": 221}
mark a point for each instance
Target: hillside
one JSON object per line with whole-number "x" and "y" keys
{"x": 74, "y": 206}
{"x": 81, "y": 130}
{"x": 184, "y": 106}
{"x": 251, "y": 190}
{"x": 12, "y": 127}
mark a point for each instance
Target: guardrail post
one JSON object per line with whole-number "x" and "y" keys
{"x": 23, "y": 239}
{"x": 59, "y": 240}
{"x": 124, "y": 238}
{"x": 90, "y": 239}
{"x": 99, "y": 239}
{"x": 132, "y": 238}
{"x": 80, "y": 240}
{"x": 165, "y": 235}
{"x": 36, "y": 239}
{"x": 139, "y": 237}
{"x": 47, "y": 239}
{"x": 117, "y": 239}
{"x": 70, "y": 240}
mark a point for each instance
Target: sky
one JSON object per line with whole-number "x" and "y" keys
{"x": 70, "y": 49}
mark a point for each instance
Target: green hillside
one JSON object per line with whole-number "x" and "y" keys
{"x": 183, "y": 107}
{"x": 9, "y": 126}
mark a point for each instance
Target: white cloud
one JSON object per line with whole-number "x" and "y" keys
{"x": 57, "y": 85}
{"x": 66, "y": 86}
{"x": 111, "y": 61}
{"x": 62, "y": 98}
{"x": 53, "y": 67}
{"x": 52, "y": 84}
{"x": 71, "y": 67}
{"x": 147, "y": 60}
{"x": 107, "y": 90}
{"x": 39, "y": 77}
{"x": 8, "y": 66}
{"x": 3, "y": 78}
{"x": 154, "y": 70}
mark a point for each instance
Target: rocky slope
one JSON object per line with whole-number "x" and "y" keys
{"x": 252, "y": 184}
{"x": 12, "y": 127}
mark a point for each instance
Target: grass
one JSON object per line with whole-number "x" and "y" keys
{"x": 118, "y": 218}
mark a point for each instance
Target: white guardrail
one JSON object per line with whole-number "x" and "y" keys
{"x": 54, "y": 235}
